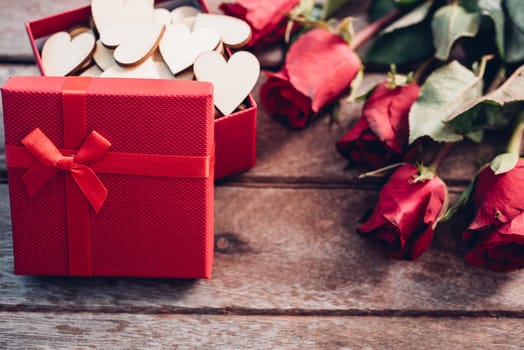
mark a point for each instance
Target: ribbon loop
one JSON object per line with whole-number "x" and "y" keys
{"x": 49, "y": 156}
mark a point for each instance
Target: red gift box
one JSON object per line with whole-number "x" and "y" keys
{"x": 235, "y": 134}
{"x": 108, "y": 178}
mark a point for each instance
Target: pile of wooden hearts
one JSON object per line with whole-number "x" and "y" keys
{"x": 133, "y": 39}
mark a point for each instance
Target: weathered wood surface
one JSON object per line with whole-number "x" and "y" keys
{"x": 290, "y": 272}
{"x": 285, "y": 251}
{"x": 131, "y": 331}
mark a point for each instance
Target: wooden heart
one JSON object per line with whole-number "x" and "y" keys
{"x": 93, "y": 71}
{"x": 119, "y": 33}
{"x": 146, "y": 70}
{"x": 162, "y": 16}
{"x": 179, "y": 47}
{"x": 232, "y": 80}
{"x": 234, "y": 32}
{"x": 103, "y": 56}
{"x": 137, "y": 49}
{"x": 182, "y": 12}
{"x": 107, "y": 13}
{"x": 63, "y": 55}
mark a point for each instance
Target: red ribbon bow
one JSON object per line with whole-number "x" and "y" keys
{"x": 51, "y": 161}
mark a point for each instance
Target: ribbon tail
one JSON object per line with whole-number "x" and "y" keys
{"x": 90, "y": 185}
{"x": 36, "y": 177}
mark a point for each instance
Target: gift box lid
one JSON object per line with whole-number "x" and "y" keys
{"x": 157, "y": 218}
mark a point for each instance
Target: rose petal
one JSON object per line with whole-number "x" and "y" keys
{"x": 267, "y": 18}
{"x": 498, "y": 198}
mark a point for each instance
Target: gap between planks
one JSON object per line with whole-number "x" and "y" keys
{"x": 454, "y": 186}
{"x": 236, "y": 311}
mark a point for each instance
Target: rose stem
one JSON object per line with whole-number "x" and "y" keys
{"x": 421, "y": 72}
{"x": 362, "y": 36}
{"x": 441, "y": 155}
{"x": 516, "y": 137}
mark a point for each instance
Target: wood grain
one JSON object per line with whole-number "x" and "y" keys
{"x": 282, "y": 251}
{"x": 129, "y": 331}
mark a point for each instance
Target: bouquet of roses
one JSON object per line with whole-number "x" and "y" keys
{"x": 467, "y": 84}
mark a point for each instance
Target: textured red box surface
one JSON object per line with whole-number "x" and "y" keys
{"x": 235, "y": 134}
{"x": 149, "y": 226}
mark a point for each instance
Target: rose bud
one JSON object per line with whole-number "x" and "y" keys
{"x": 408, "y": 209}
{"x": 497, "y": 199}
{"x": 496, "y": 233}
{"x": 267, "y": 18}
{"x": 380, "y": 136}
{"x": 319, "y": 67}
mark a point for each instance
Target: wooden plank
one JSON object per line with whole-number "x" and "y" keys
{"x": 129, "y": 331}
{"x": 284, "y": 251}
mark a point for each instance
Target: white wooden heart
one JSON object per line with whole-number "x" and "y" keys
{"x": 103, "y": 56}
{"x": 63, "y": 55}
{"x": 118, "y": 33}
{"x": 93, "y": 71}
{"x": 162, "y": 16}
{"x": 182, "y": 12}
{"x": 179, "y": 47}
{"x": 232, "y": 80}
{"x": 139, "y": 48}
{"x": 107, "y": 13}
{"x": 234, "y": 32}
{"x": 146, "y": 69}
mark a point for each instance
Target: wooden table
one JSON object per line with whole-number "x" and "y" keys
{"x": 290, "y": 272}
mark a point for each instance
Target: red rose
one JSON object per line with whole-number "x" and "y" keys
{"x": 319, "y": 67}
{"x": 380, "y": 136}
{"x": 267, "y": 19}
{"x": 497, "y": 231}
{"x": 404, "y": 218}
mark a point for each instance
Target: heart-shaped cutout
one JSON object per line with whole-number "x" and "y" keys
{"x": 107, "y": 13}
{"x": 119, "y": 33}
{"x": 181, "y": 12}
{"x": 63, "y": 55}
{"x": 179, "y": 47}
{"x": 162, "y": 16}
{"x": 145, "y": 70}
{"x": 232, "y": 80}
{"x": 93, "y": 71}
{"x": 139, "y": 48}
{"x": 103, "y": 56}
{"x": 234, "y": 32}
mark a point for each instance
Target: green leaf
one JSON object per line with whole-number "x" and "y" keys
{"x": 445, "y": 89}
{"x": 469, "y": 5}
{"x": 380, "y": 8}
{"x": 406, "y": 2}
{"x": 415, "y": 16}
{"x": 475, "y": 136}
{"x": 493, "y": 10}
{"x": 398, "y": 46}
{"x": 331, "y": 7}
{"x": 450, "y": 23}
{"x": 511, "y": 91}
{"x": 516, "y": 13}
{"x": 504, "y": 162}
